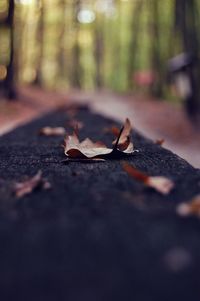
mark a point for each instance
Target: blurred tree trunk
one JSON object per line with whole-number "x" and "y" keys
{"x": 186, "y": 23}
{"x": 98, "y": 53}
{"x": 157, "y": 87}
{"x": 61, "y": 52}
{"x": 76, "y": 53}
{"x": 40, "y": 40}
{"x": 135, "y": 26}
{"x": 9, "y": 81}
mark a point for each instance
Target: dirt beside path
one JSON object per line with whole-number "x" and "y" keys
{"x": 32, "y": 103}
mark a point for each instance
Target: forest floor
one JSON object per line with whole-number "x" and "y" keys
{"x": 154, "y": 119}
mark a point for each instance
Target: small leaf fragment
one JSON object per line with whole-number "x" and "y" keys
{"x": 21, "y": 189}
{"x": 113, "y": 130}
{"x": 52, "y": 131}
{"x": 191, "y": 208}
{"x": 160, "y": 141}
{"x": 75, "y": 124}
{"x": 135, "y": 173}
{"x": 159, "y": 183}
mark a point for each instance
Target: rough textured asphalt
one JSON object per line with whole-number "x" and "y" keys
{"x": 97, "y": 234}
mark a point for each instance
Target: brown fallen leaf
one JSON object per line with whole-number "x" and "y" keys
{"x": 124, "y": 140}
{"x": 113, "y": 130}
{"x": 191, "y": 208}
{"x": 52, "y": 131}
{"x": 160, "y": 141}
{"x": 159, "y": 183}
{"x": 28, "y": 186}
{"x": 72, "y": 112}
{"x": 73, "y": 109}
{"x": 87, "y": 149}
{"x": 75, "y": 124}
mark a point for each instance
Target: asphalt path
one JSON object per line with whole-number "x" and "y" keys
{"x": 97, "y": 234}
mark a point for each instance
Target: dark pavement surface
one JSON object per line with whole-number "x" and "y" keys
{"x": 97, "y": 234}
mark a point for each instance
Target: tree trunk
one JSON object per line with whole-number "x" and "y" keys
{"x": 40, "y": 37}
{"x": 76, "y": 65}
{"x": 98, "y": 54}
{"x": 157, "y": 87}
{"x": 186, "y": 25}
{"x": 10, "y": 91}
{"x": 135, "y": 26}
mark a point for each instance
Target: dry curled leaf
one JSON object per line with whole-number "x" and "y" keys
{"x": 73, "y": 109}
{"x": 23, "y": 188}
{"x": 159, "y": 183}
{"x": 124, "y": 140}
{"x": 52, "y": 131}
{"x": 76, "y": 124}
{"x": 87, "y": 149}
{"x": 113, "y": 130}
{"x": 160, "y": 141}
{"x": 191, "y": 208}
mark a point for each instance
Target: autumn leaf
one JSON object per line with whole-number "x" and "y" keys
{"x": 113, "y": 130}
{"x": 159, "y": 183}
{"x": 124, "y": 141}
{"x": 75, "y": 124}
{"x": 23, "y": 188}
{"x": 87, "y": 149}
{"x": 191, "y": 208}
{"x": 73, "y": 109}
{"x": 52, "y": 131}
{"x": 160, "y": 141}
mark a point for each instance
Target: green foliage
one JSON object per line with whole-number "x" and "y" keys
{"x": 55, "y": 48}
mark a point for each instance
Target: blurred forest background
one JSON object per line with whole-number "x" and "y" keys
{"x": 122, "y": 45}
